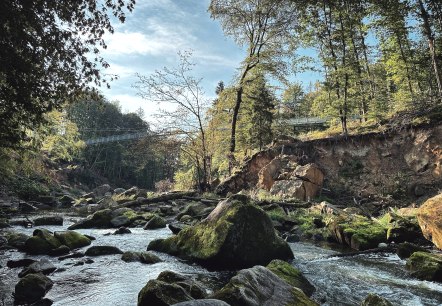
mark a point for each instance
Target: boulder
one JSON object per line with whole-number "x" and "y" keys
{"x": 119, "y": 190}
{"x": 61, "y": 250}
{"x": 425, "y": 266}
{"x": 32, "y": 288}
{"x": 291, "y": 275}
{"x": 176, "y": 227}
{"x": 72, "y": 240}
{"x": 122, "y": 230}
{"x": 403, "y": 228}
{"x": 236, "y": 234}
{"x": 100, "y": 191}
{"x": 66, "y": 200}
{"x": 49, "y": 220}
{"x": 143, "y": 257}
{"x": 406, "y": 249}
{"x": 375, "y": 300}
{"x": 260, "y": 286}
{"x": 194, "y": 209}
{"x": 43, "y": 266}
{"x": 99, "y": 219}
{"x": 42, "y": 242}
{"x": 99, "y": 250}
{"x": 26, "y": 207}
{"x": 20, "y": 263}
{"x": 16, "y": 240}
{"x": 155, "y": 222}
{"x": 203, "y": 302}
{"x": 430, "y": 220}
{"x": 269, "y": 173}
{"x": 169, "y": 288}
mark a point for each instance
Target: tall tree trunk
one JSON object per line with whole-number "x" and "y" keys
{"x": 346, "y": 77}
{"x": 430, "y": 36}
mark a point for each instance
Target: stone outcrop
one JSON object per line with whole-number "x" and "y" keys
{"x": 430, "y": 220}
{"x": 260, "y": 286}
{"x": 425, "y": 266}
{"x": 236, "y": 234}
{"x": 32, "y": 288}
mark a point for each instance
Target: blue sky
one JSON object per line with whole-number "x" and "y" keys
{"x": 150, "y": 39}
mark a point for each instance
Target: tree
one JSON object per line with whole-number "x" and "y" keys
{"x": 262, "y": 26}
{"x": 178, "y": 87}
{"x": 49, "y": 50}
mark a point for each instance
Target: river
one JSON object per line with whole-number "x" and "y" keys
{"x": 110, "y": 281}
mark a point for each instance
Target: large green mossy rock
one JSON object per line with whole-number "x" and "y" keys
{"x": 291, "y": 275}
{"x": 42, "y": 242}
{"x": 237, "y": 234}
{"x": 358, "y": 232}
{"x": 72, "y": 239}
{"x": 32, "y": 288}
{"x": 260, "y": 286}
{"x": 99, "y": 219}
{"x": 155, "y": 222}
{"x": 425, "y": 266}
{"x": 16, "y": 240}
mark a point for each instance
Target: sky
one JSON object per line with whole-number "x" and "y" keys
{"x": 152, "y": 36}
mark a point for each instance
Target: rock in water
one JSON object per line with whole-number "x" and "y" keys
{"x": 430, "y": 220}
{"x": 50, "y": 220}
{"x": 99, "y": 219}
{"x": 291, "y": 275}
{"x": 42, "y": 242}
{"x": 43, "y": 266}
{"x": 100, "y": 250}
{"x": 72, "y": 239}
{"x": 32, "y": 288}
{"x": 425, "y": 266}
{"x": 375, "y": 300}
{"x": 236, "y": 234}
{"x": 143, "y": 257}
{"x": 260, "y": 286}
{"x": 155, "y": 222}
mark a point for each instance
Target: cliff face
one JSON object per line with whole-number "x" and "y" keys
{"x": 400, "y": 167}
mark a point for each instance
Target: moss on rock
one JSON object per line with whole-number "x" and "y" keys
{"x": 32, "y": 288}
{"x": 72, "y": 239}
{"x": 425, "y": 266}
{"x": 236, "y": 234}
{"x": 42, "y": 242}
{"x": 291, "y": 275}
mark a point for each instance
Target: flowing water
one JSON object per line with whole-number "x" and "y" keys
{"x": 109, "y": 281}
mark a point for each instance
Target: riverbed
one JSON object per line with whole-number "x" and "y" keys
{"x": 110, "y": 281}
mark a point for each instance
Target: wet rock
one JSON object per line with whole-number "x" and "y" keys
{"x": 20, "y": 263}
{"x": 170, "y": 288}
{"x": 143, "y": 257}
{"x": 61, "y": 250}
{"x": 375, "y": 300}
{"x": 99, "y": 219}
{"x": 72, "y": 240}
{"x": 42, "y": 242}
{"x": 176, "y": 227}
{"x": 100, "y": 250}
{"x": 430, "y": 220}
{"x": 32, "y": 288}
{"x": 260, "y": 286}
{"x": 155, "y": 222}
{"x": 49, "y": 220}
{"x": 236, "y": 234}
{"x": 120, "y": 221}
{"x": 16, "y": 240}
{"x": 406, "y": 249}
{"x": 203, "y": 302}
{"x": 66, "y": 200}
{"x": 291, "y": 275}
{"x": 43, "y": 266}
{"x": 43, "y": 302}
{"x": 122, "y": 230}
{"x": 425, "y": 266}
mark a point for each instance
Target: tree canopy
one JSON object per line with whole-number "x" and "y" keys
{"x": 49, "y": 50}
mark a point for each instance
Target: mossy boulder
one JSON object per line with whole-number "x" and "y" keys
{"x": 32, "y": 288}
{"x": 143, "y": 257}
{"x": 155, "y": 222}
{"x": 375, "y": 300}
{"x": 124, "y": 217}
{"x": 236, "y": 234}
{"x": 194, "y": 209}
{"x": 42, "y": 242}
{"x": 168, "y": 289}
{"x": 430, "y": 220}
{"x": 403, "y": 228}
{"x": 49, "y": 220}
{"x": 406, "y": 249}
{"x": 425, "y": 266}
{"x": 16, "y": 240}
{"x": 99, "y": 250}
{"x": 99, "y": 219}
{"x": 291, "y": 275}
{"x": 358, "y": 232}
{"x": 260, "y": 286}
{"x": 72, "y": 240}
